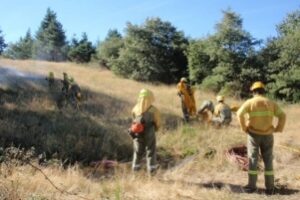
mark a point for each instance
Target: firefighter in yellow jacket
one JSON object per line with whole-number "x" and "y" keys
{"x": 146, "y": 141}
{"x": 222, "y": 113}
{"x": 186, "y": 94}
{"x": 260, "y": 112}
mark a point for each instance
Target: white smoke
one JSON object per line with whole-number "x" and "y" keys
{"x": 11, "y": 77}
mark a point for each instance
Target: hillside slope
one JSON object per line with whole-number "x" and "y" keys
{"x": 193, "y": 163}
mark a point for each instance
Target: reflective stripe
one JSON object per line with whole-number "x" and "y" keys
{"x": 153, "y": 167}
{"x": 252, "y": 172}
{"x": 261, "y": 114}
{"x": 269, "y": 173}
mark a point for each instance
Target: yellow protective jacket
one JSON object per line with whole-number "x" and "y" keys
{"x": 223, "y": 111}
{"x": 187, "y": 96}
{"x": 260, "y": 112}
{"x": 144, "y": 104}
{"x": 219, "y": 107}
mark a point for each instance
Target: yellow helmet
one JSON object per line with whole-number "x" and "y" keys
{"x": 257, "y": 85}
{"x": 145, "y": 93}
{"x": 183, "y": 79}
{"x": 220, "y": 98}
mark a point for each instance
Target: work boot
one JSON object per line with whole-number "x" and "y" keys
{"x": 269, "y": 182}
{"x": 270, "y": 191}
{"x": 249, "y": 189}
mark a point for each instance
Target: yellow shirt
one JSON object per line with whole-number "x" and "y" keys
{"x": 219, "y": 107}
{"x": 260, "y": 112}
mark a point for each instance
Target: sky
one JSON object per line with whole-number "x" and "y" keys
{"x": 196, "y": 18}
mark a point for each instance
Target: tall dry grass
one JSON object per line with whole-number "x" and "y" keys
{"x": 197, "y": 166}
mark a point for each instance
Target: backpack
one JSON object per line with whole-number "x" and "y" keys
{"x": 137, "y": 126}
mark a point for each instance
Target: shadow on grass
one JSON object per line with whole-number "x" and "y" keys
{"x": 234, "y": 188}
{"x": 29, "y": 117}
{"x": 239, "y": 189}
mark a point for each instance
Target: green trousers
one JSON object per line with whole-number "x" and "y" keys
{"x": 145, "y": 144}
{"x": 264, "y": 144}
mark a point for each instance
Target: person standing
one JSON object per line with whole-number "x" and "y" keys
{"x": 145, "y": 141}
{"x": 66, "y": 84}
{"x": 186, "y": 94}
{"x": 50, "y": 80}
{"x": 260, "y": 112}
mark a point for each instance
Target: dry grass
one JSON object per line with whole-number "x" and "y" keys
{"x": 202, "y": 171}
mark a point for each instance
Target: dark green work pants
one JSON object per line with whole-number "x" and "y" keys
{"x": 264, "y": 143}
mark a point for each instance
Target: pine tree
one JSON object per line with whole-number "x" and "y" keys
{"x": 2, "y": 42}
{"x": 108, "y": 50}
{"x": 81, "y": 51}
{"x": 153, "y": 51}
{"x": 21, "y": 49}
{"x": 50, "y": 41}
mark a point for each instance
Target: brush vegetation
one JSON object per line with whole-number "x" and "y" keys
{"x": 191, "y": 156}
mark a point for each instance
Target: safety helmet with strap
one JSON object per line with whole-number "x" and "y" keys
{"x": 257, "y": 85}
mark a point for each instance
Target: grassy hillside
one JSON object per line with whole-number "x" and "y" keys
{"x": 192, "y": 159}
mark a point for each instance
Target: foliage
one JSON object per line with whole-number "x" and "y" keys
{"x": 281, "y": 56}
{"x": 109, "y": 49}
{"x": 2, "y": 42}
{"x": 21, "y": 49}
{"x": 226, "y": 61}
{"x": 201, "y": 61}
{"x": 82, "y": 50}
{"x": 50, "y": 41}
{"x": 153, "y": 51}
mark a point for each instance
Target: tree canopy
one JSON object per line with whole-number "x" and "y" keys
{"x": 282, "y": 57}
{"x": 2, "y": 42}
{"x": 109, "y": 49}
{"x": 226, "y": 61}
{"x": 82, "y": 50}
{"x": 50, "y": 41}
{"x": 153, "y": 51}
{"x": 22, "y": 49}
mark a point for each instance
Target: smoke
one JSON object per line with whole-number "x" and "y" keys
{"x": 11, "y": 78}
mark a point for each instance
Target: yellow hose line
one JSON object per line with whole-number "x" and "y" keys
{"x": 289, "y": 148}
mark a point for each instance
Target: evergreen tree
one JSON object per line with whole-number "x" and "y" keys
{"x": 81, "y": 51}
{"x": 21, "y": 49}
{"x": 281, "y": 55}
{"x": 50, "y": 41}
{"x": 153, "y": 51}
{"x": 108, "y": 50}
{"x": 226, "y": 61}
{"x": 2, "y": 42}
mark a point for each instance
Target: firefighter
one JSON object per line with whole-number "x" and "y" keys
{"x": 66, "y": 84}
{"x": 260, "y": 112}
{"x": 186, "y": 94}
{"x": 74, "y": 94}
{"x": 222, "y": 113}
{"x": 206, "y": 111}
{"x": 145, "y": 142}
{"x": 50, "y": 80}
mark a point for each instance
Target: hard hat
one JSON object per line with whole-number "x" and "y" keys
{"x": 71, "y": 79}
{"x": 145, "y": 93}
{"x": 220, "y": 98}
{"x": 257, "y": 85}
{"x": 183, "y": 79}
